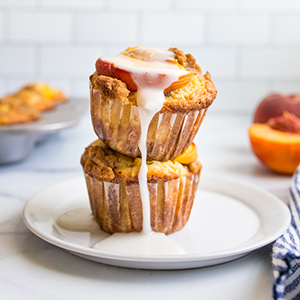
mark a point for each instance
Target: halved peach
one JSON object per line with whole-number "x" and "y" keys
{"x": 278, "y": 150}
{"x": 109, "y": 69}
{"x": 189, "y": 155}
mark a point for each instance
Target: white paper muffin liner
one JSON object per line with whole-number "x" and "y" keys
{"x": 117, "y": 207}
{"x": 118, "y": 126}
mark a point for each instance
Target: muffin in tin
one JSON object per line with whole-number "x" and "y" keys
{"x": 25, "y": 105}
{"x": 114, "y": 193}
{"x": 115, "y": 115}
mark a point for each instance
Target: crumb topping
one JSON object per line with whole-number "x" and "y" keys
{"x": 107, "y": 165}
{"x": 199, "y": 93}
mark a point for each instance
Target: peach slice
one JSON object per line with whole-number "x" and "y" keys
{"x": 278, "y": 150}
{"x": 189, "y": 155}
{"x": 181, "y": 82}
{"x": 109, "y": 69}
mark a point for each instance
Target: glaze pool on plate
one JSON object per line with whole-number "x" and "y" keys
{"x": 229, "y": 219}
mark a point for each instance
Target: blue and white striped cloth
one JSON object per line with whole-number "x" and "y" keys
{"x": 286, "y": 250}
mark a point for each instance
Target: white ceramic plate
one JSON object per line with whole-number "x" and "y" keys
{"x": 229, "y": 219}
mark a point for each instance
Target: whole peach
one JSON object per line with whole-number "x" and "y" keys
{"x": 275, "y": 105}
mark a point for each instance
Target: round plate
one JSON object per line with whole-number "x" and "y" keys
{"x": 229, "y": 219}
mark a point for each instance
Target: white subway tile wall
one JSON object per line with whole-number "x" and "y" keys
{"x": 103, "y": 28}
{"x": 250, "y": 47}
{"x": 2, "y": 22}
{"x": 239, "y": 29}
{"x": 212, "y": 5}
{"x": 39, "y": 27}
{"x": 287, "y": 29}
{"x": 138, "y": 4}
{"x": 73, "y": 4}
{"x": 17, "y": 60}
{"x": 271, "y": 5}
{"x": 171, "y": 28}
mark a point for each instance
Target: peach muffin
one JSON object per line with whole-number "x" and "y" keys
{"x": 115, "y": 114}
{"x": 114, "y": 192}
{"x": 26, "y": 104}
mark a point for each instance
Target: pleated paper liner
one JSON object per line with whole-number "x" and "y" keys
{"x": 117, "y": 207}
{"x": 118, "y": 126}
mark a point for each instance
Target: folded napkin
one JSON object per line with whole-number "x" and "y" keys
{"x": 286, "y": 250}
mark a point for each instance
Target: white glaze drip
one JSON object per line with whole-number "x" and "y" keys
{"x": 146, "y": 67}
{"x": 150, "y": 100}
{"x": 140, "y": 244}
{"x": 151, "y": 76}
{"x": 147, "y": 110}
{"x": 79, "y": 219}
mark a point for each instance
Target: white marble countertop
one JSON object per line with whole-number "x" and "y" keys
{"x": 30, "y": 268}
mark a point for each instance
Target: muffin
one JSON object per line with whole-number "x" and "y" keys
{"x": 115, "y": 115}
{"x": 26, "y": 104}
{"x": 114, "y": 193}
{"x": 13, "y": 111}
{"x": 41, "y": 96}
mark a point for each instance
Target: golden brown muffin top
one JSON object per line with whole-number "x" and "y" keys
{"x": 108, "y": 165}
{"x": 26, "y": 104}
{"x": 199, "y": 93}
{"x": 12, "y": 111}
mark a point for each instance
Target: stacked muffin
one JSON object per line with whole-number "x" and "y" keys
{"x": 111, "y": 164}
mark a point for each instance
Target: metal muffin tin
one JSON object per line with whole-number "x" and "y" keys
{"x": 17, "y": 141}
